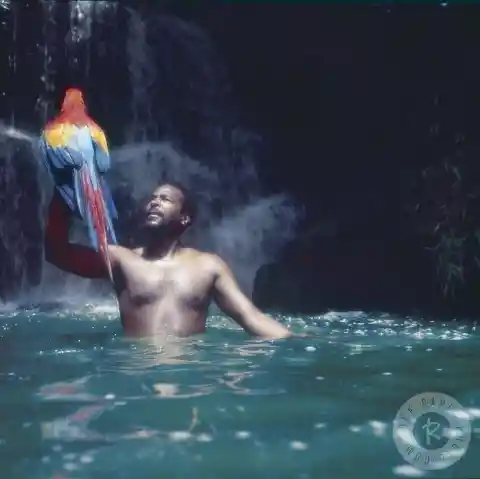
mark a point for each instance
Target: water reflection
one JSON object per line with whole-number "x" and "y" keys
{"x": 137, "y": 358}
{"x": 140, "y": 406}
{"x": 76, "y": 426}
{"x": 140, "y": 354}
{"x": 71, "y": 390}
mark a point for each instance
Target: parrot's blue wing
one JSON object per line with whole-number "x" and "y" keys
{"x": 76, "y": 169}
{"x": 61, "y": 165}
{"x": 85, "y": 179}
{"x": 102, "y": 158}
{"x": 103, "y": 163}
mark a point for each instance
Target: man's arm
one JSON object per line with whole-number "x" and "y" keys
{"x": 232, "y": 301}
{"x": 76, "y": 259}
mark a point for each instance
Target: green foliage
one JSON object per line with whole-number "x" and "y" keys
{"x": 447, "y": 215}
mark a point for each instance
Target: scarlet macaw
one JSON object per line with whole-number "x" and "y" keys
{"x": 75, "y": 152}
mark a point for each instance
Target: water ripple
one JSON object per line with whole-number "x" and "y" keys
{"x": 96, "y": 403}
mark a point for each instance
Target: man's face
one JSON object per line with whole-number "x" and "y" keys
{"x": 164, "y": 209}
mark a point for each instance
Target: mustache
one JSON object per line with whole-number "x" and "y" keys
{"x": 156, "y": 211}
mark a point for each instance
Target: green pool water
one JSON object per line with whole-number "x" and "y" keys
{"x": 78, "y": 400}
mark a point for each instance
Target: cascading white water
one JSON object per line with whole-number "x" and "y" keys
{"x": 234, "y": 220}
{"x": 246, "y": 236}
{"x": 142, "y": 79}
{"x": 246, "y": 230}
{"x": 47, "y": 49}
{"x": 82, "y": 15}
{"x": 12, "y": 241}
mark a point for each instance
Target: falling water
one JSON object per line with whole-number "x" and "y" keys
{"x": 82, "y": 15}
{"x": 142, "y": 79}
{"x": 19, "y": 252}
{"x": 47, "y": 49}
{"x": 233, "y": 219}
{"x": 7, "y": 175}
{"x": 180, "y": 130}
{"x": 44, "y": 107}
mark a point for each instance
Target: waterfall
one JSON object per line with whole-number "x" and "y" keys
{"x": 181, "y": 126}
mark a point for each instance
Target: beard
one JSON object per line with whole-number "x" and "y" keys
{"x": 161, "y": 230}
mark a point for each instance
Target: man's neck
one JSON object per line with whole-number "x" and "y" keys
{"x": 161, "y": 247}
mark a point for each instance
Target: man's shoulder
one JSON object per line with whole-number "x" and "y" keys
{"x": 115, "y": 248}
{"x": 118, "y": 252}
{"x": 203, "y": 258}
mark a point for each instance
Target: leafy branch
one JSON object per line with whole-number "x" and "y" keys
{"x": 447, "y": 214}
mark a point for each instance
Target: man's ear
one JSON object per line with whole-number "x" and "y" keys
{"x": 186, "y": 220}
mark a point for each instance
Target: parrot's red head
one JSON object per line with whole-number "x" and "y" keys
{"x": 73, "y": 109}
{"x": 73, "y": 100}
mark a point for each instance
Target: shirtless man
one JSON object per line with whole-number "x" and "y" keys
{"x": 162, "y": 287}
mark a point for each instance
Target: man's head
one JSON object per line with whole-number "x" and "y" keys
{"x": 169, "y": 209}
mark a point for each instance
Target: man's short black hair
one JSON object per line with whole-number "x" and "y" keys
{"x": 189, "y": 206}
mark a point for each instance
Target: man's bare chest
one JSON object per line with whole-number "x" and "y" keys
{"x": 146, "y": 282}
